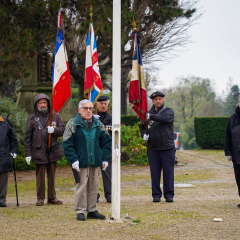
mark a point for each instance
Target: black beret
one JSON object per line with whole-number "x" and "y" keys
{"x": 155, "y": 94}
{"x": 102, "y": 98}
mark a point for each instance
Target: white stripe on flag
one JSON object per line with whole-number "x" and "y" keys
{"x": 60, "y": 65}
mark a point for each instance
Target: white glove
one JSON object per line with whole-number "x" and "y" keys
{"x": 28, "y": 160}
{"x": 104, "y": 165}
{"x": 229, "y": 158}
{"x": 50, "y": 129}
{"x": 75, "y": 165}
{"x": 148, "y": 115}
{"x": 14, "y": 155}
{"x": 145, "y": 137}
{"x": 96, "y": 116}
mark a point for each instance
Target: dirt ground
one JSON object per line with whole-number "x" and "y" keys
{"x": 205, "y": 189}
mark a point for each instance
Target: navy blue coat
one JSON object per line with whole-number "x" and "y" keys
{"x": 8, "y": 144}
{"x": 160, "y": 129}
{"x": 232, "y": 137}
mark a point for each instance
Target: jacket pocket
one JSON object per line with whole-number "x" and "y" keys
{"x": 37, "y": 151}
{"x": 55, "y": 152}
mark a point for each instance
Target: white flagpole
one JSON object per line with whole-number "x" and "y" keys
{"x": 116, "y": 109}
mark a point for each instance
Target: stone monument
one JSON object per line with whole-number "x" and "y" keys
{"x": 40, "y": 81}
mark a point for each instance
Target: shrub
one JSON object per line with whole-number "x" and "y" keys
{"x": 129, "y": 120}
{"x": 16, "y": 115}
{"x": 210, "y": 131}
{"x": 133, "y": 145}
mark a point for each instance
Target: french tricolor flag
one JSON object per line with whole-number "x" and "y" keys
{"x": 61, "y": 74}
{"x": 137, "y": 89}
{"x": 92, "y": 80}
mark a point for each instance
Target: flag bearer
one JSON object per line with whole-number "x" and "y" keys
{"x": 161, "y": 151}
{"x": 36, "y": 143}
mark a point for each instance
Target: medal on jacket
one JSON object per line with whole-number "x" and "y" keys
{"x": 150, "y": 124}
{"x": 108, "y": 127}
{"x": 54, "y": 124}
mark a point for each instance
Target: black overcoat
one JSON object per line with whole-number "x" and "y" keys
{"x": 232, "y": 137}
{"x": 8, "y": 144}
{"x": 160, "y": 129}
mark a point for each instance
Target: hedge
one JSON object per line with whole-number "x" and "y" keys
{"x": 129, "y": 120}
{"x": 210, "y": 131}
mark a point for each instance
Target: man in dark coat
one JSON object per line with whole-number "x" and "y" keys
{"x": 36, "y": 142}
{"x": 232, "y": 143}
{"x": 106, "y": 119}
{"x": 161, "y": 148}
{"x": 8, "y": 147}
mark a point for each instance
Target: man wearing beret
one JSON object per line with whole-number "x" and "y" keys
{"x": 106, "y": 119}
{"x": 161, "y": 148}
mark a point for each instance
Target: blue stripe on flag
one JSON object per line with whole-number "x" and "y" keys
{"x": 94, "y": 94}
{"x": 59, "y": 41}
{"x": 139, "y": 56}
{"x": 88, "y": 38}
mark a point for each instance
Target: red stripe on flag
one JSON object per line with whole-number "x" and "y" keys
{"x": 141, "y": 107}
{"x": 62, "y": 91}
{"x": 134, "y": 94}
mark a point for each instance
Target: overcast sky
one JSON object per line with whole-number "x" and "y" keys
{"x": 215, "y": 49}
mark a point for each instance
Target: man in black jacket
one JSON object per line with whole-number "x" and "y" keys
{"x": 8, "y": 147}
{"x": 161, "y": 148}
{"x": 232, "y": 143}
{"x": 106, "y": 119}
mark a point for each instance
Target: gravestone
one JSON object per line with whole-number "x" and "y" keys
{"x": 40, "y": 81}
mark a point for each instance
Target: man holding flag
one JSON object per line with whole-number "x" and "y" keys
{"x": 44, "y": 127}
{"x": 161, "y": 148}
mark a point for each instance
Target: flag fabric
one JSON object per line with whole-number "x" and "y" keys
{"x": 137, "y": 90}
{"x": 61, "y": 74}
{"x": 92, "y": 80}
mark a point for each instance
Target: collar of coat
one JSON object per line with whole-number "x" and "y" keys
{"x": 79, "y": 120}
{"x": 1, "y": 119}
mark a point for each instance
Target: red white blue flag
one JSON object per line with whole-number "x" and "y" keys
{"x": 137, "y": 90}
{"x": 61, "y": 74}
{"x": 92, "y": 80}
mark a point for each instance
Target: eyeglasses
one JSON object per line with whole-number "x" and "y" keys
{"x": 87, "y": 108}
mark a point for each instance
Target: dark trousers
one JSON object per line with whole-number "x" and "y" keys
{"x": 107, "y": 180}
{"x": 40, "y": 177}
{"x": 237, "y": 175}
{"x": 3, "y": 186}
{"x": 158, "y": 161}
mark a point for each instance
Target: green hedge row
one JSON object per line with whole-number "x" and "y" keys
{"x": 210, "y": 131}
{"x": 129, "y": 120}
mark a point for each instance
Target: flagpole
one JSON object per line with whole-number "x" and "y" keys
{"x": 116, "y": 107}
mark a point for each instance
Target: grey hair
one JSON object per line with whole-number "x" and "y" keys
{"x": 83, "y": 102}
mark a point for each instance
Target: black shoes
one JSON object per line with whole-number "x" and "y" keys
{"x": 169, "y": 199}
{"x": 95, "y": 215}
{"x": 3, "y": 205}
{"x": 239, "y": 205}
{"x": 80, "y": 217}
{"x": 109, "y": 199}
{"x": 157, "y": 199}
